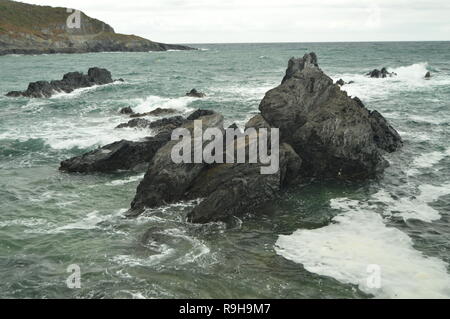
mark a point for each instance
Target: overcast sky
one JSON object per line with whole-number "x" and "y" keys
{"x": 218, "y": 21}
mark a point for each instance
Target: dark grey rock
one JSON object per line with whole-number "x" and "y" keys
{"x": 340, "y": 82}
{"x": 166, "y": 181}
{"x": 195, "y": 93}
{"x": 70, "y": 82}
{"x": 383, "y": 73}
{"x": 122, "y": 155}
{"x": 157, "y": 112}
{"x": 428, "y": 75}
{"x": 199, "y": 113}
{"x": 334, "y": 135}
{"x": 126, "y": 110}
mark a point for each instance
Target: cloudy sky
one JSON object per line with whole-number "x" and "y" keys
{"x": 218, "y": 21}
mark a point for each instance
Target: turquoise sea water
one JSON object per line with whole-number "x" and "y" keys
{"x": 320, "y": 240}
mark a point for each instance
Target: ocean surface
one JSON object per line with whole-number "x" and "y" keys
{"x": 383, "y": 238}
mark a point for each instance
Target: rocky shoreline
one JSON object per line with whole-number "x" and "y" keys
{"x": 324, "y": 134}
{"x": 34, "y": 29}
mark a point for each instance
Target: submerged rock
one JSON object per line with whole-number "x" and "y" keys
{"x": 195, "y": 93}
{"x": 71, "y": 81}
{"x": 335, "y": 135}
{"x": 383, "y": 73}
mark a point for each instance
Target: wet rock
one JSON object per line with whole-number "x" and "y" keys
{"x": 157, "y": 112}
{"x": 166, "y": 181}
{"x": 334, "y": 135}
{"x": 385, "y": 136}
{"x": 383, "y": 73}
{"x": 257, "y": 122}
{"x": 121, "y": 155}
{"x": 428, "y": 75}
{"x": 126, "y": 110}
{"x": 70, "y": 82}
{"x": 340, "y": 82}
{"x": 135, "y": 123}
{"x": 199, "y": 113}
{"x": 195, "y": 93}
{"x": 236, "y": 189}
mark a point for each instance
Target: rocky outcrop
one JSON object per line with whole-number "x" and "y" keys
{"x": 165, "y": 124}
{"x": 383, "y": 73}
{"x": 156, "y": 112}
{"x": 32, "y": 29}
{"x": 126, "y": 110}
{"x": 71, "y": 81}
{"x": 335, "y": 135}
{"x": 324, "y": 134}
{"x": 195, "y": 93}
{"x": 166, "y": 181}
{"x": 122, "y": 155}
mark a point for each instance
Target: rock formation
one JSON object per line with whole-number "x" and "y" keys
{"x": 122, "y": 155}
{"x": 71, "y": 81}
{"x": 195, "y": 93}
{"x": 383, "y": 73}
{"x": 335, "y": 135}
{"x": 324, "y": 133}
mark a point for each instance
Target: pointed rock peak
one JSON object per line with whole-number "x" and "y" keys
{"x": 295, "y": 65}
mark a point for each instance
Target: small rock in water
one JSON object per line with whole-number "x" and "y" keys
{"x": 428, "y": 75}
{"x": 127, "y": 110}
{"x": 340, "y": 82}
{"x": 195, "y": 93}
{"x": 381, "y": 74}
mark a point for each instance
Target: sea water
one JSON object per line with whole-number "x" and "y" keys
{"x": 319, "y": 240}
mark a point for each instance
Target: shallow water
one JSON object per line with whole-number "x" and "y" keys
{"x": 317, "y": 241}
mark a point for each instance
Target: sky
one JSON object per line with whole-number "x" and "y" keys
{"x": 236, "y": 21}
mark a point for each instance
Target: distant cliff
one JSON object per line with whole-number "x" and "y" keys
{"x": 32, "y": 29}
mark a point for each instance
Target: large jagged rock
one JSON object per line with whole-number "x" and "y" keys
{"x": 231, "y": 190}
{"x": 335, "y": 135}
{"x": 166, "y": 181}
{"x": 71, "y": 81}
{"x": 121, "y": 155}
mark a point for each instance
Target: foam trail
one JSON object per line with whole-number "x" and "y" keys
{"x": 153, "y": 102}
{"x": 358, "y": 239}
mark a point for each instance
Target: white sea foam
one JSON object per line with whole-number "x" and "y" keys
{"x": 409, "y": 78}
{"x": 414, "y": 207}
{"x": 124, "y": 181}
{"x": 78, "y": 92}
{"x": 84, "y": 132}
{"x": 153, "y": 102}
{"x": 427, "y": 160}
{"x": 359, "y": 238}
